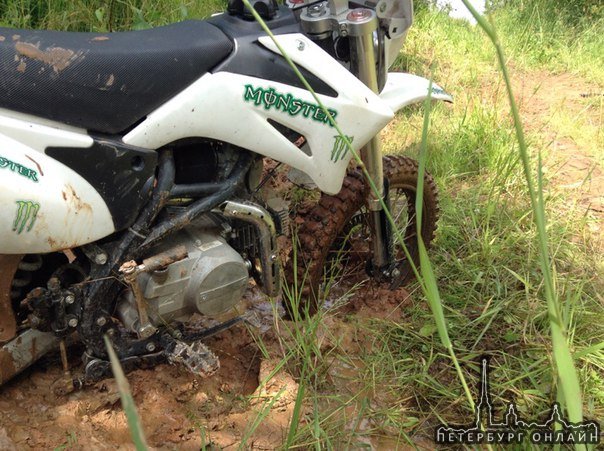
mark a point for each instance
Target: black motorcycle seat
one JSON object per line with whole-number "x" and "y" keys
{"x": 104, "y": 82}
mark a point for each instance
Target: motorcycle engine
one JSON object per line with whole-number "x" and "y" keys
{"x": 210, "y": 280}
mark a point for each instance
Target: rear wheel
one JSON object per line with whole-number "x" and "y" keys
{"x": 334, "y": 238}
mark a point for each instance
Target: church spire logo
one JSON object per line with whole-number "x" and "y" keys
{"x": 485, "y": 429}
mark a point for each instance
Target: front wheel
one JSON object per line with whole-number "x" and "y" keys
{"x": 334, "y": 237}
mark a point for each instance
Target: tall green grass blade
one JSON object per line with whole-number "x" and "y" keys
{"x": 317, "y": 431}
{"x": 589, "y": 350}
{"x": 134, "y": 423}
{"x": 295, "y": 419}
{"x": 427, "y": 272}
{"x": 567, "y": 374}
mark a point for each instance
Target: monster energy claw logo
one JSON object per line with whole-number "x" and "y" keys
{"x": 340, "y": 148}
{"x": 27, "y": 213}
{"x": 270, "y": 98}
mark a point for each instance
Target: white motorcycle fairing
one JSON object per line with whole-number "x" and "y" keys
{"x": 48, "y": 206}
{"x": 237, "y": 109}
{"x": 402, "y": 90}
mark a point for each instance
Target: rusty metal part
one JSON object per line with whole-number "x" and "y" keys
{"x": 64, "y": 385}
{"x": 8, "y": 324}
{"x": 165, "y": 259}
{"x": 322, "y": 225}
{"x": 18, "y": 354}
{"x": 131, "y": 271}
{"x": 154, "y": 263}
{"x": 64, "y": 360}
{"x": 145, "y": 328}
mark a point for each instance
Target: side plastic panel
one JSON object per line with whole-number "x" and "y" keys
{"x": 39, "y": 133}
{"x": 45, "y": 205}
{"x": 237, "y": 109}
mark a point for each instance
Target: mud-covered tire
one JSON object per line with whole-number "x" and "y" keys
{"x": 323, "y": 227}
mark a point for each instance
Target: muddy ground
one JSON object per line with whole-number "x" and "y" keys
{"x": 182, "y": 411}
{"x": 178, "y": 409}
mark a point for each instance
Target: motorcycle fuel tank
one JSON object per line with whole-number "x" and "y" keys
{"x": 45, "y": 205}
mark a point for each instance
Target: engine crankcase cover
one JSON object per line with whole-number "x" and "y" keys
{"x": 211, "y": 280}
{"x": 218, "y": 279}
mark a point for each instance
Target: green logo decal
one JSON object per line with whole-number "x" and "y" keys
{"x": 340, "y": 148}
{"x": 5, "y": 163}
{"x": 269, "y": 98}
{"x": 27, "y": 213}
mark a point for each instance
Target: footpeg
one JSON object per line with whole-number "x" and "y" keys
{"x": 197, "y": 357}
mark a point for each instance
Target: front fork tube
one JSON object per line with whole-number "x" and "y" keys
{"x": 381, "y": 239}
{"x": 363, "y": 64}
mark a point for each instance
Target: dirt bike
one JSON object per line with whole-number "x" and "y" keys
{"x": 132, "y": 183}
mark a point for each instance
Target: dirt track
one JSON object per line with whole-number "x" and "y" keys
{"x": 572, "y": 170}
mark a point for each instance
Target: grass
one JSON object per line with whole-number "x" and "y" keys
{"x": 101, "y": 16}
{"x": 562, "y": 36}
{"x": 488, "y": 225}
{"x": 554, "y": 310}
{"x": 401, "y": 382}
